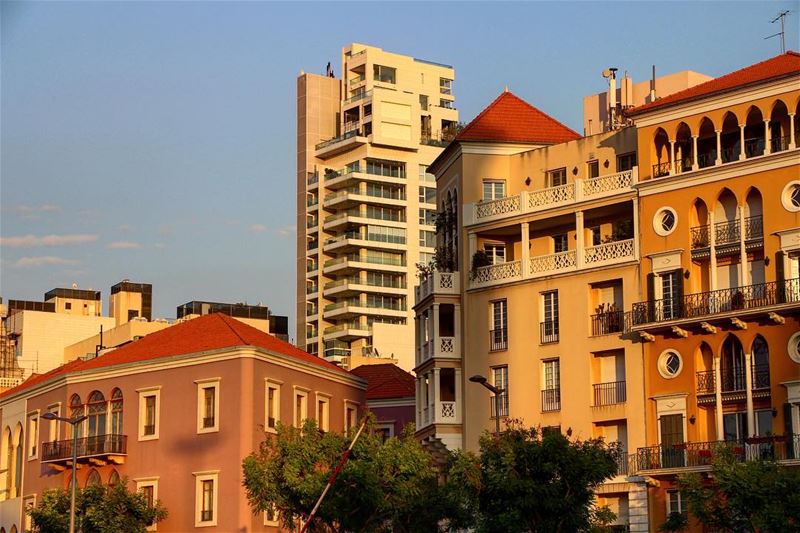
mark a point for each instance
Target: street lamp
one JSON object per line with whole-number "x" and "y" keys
{"x": 74, "y": 421}
{"x": 497, "y": 392}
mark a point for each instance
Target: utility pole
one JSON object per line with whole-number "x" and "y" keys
{"x": 781, "y": 17}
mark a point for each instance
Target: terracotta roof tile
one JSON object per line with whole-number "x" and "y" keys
{"x": 206, "y": 333}
{"x": 511, "y": 119}
{"x": 385, "y": 381}
{"x": 775, "y": 67}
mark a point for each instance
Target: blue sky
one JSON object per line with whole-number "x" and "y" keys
{"x": 155, "y": 141}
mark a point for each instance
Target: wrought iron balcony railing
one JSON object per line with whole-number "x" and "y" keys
{"x": 607, "y": 323}
{"x": 661, "y": 169}
{"x": 548, "y": 332}
{"x": 93, "y": 446}
{"x": 498, "y": 339}
{"x": 704, "y": 304}
{"x": 551, "y": 400}
{"x": 610, "y": 393}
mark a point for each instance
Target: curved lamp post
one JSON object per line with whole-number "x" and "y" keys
{"x": 74, "y": 422}
{"x": 481, "y": 380}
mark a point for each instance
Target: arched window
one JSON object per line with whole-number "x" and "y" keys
{"x": 662, "y": 154}
{"x": 754, "y": 133}
{"x": 706, "y": 144}
{"x": 684, "y": 149}
{"x": 779, "y": 125}
{"x": 116, "y": 412}
{"x": 113, "y": 479}
{"x": 730, "y": 138}
{"x": 9, "y": 459}
{"x": 97, "y": 414}
{"x": 732, "y": 363}
{"x": 18, "y": 451}
{"x": 93, "y": 479}
{"x": 13, "y": 529}
{"x": 760, "y": 358}
{"x": 76, "y": 410}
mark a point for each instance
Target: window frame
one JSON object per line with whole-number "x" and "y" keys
{"x": 274, "y": 521}
{"x": 143, "y": 482}
{"x": 592, "y": 163}
{"x": 303, "y": 394}
{"x": 558, "y": 238}
{"x": 199, "y": 478}
{"x": 556, "y": 172}
{"x": 491, "y": 249}
{"x": 32, "y": 447}
{"x": 145, "y": 393}
{"x": 504, "y": 401}
{"x": 54, "y": 426}
{"x": 276, "y": 386}
{"x": 323, "y": 398}
{"x": 493, "y": 183}
{"x": 202, "y": 386}
{"x": 681, "y": 509}
{"x": 350, "y": 406}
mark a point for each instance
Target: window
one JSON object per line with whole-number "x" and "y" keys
{"x": 323, "y": 411}
{"x": 557, "y": 177}
{"x": 425, "y": 176}
{"x": 675, "y": 503}
{"x": 596, "y": 237}
{"x": 427, "y": 217}
{"x": 494, "y": 189}
{"x": 500, "y": 380}
{"x": 423, "y": 102}
{"x": 549, "y": 328}
{"x": 427, "y": 195}
{"x": 300, "y": 406}
{"x": 207, "y": 405}
{"x": 626, "y": 161}
{"x": 498, "y": 335}
{"x": 551, "y": 385}
{"x": 447, "y": 104}
{"x": 560, "y": 243}
{"x": 93, "y": 479}
{"x": 350, "y": 415}
{"x": 385, "y": 431}
{"x": 33, "y": 434}
{"x": 149, "y": 400}
{"x": 271, "y": 516}
{"x": 793, "y": 348}
{"x": 206, "y": 488}
{"x": 790, "y": 197}
{"x": 67, "y": 305}
{"x": 495, "y": 252}
{"x": 664, "y": 221}
{"x": 670, "y": 294}
{"x": 427, "y": 238}
{"x": 116, "y": 412}
{"x": 445, "y": 86}
{"x": 98, "y": 409}
{"x": 76, "y": 409}
{"x": 384, "y": 74}
{"x": 593, "y": 169}
{"x": 53, "y": 424}
{"x": 669, "y": 364}
{"x": 273, "y": 405}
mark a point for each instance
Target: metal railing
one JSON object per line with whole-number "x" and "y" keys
{"x": 700, "y": 454}
{"x": 607, "y": 323}
{"x": 707, "y": 159}
{"x": 731, "y": 154}
{"x": 779, "y": 144}
{"x": 706, "y": 382}
{"x": 87, "y": 447}
{"x": 754, "y": 147}
{"x": 548, "y": 332}
{"x": 710, "y": 303}
{"x": 753, "y": 227}
{"x": 727, "y": 232}
{"x": 551, "y": 400}
{"x": 498, "y": 339}
{"x": 733, "y": 380}
{"x": 661, "y": 169}
{"x": 700, "y": 236}
{"x": 356, "y": 98}
{"x": 610, "y": 393}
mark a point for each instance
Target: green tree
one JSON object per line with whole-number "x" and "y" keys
{"x": 98, "y": 509}
{"x": 391, "y": 486}
{"x": 752, "y": 496}
{"x": 529, "y": 481}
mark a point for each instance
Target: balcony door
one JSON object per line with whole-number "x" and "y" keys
{"x": 733, "y": 373}
{"x": 672, "y": 441}
{"x": 670, "y": 294}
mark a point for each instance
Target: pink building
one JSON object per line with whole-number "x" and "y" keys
{"x": 390, "y": 395}
{"x": 175, "y": 412}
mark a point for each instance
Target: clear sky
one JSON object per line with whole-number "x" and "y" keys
{"x": 156, "y": 141}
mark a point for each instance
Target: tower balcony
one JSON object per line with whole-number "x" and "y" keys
{"x": 446, "y": 283}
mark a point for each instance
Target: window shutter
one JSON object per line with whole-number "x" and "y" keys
{"x": 651, "y": 296}
{"x": 780, "y": 275}
{"x": 788, "y": 430}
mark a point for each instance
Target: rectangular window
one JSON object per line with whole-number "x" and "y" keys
{"x": 385, "y": 431}
{"x": 427, "y": 217}
{"x": 499, "y": 333}
{"x": 207, "y": 405}
{"x": 445, "y": 86}
{"x": 148, "y": 487}
{"x": 670, "y": 294}
{"x": 549, "y": 327}
{"x": 33, "y": 434}
{"x": 552, "y": 374}
{"x": 675, "y": 503}
{"x": 447, "y": 104}
{"x": 592, "y": 169}
{"x": 596, "y": 237}
{"x": 384, "y": 74}
{"x": 496, "y": 253}
{"x": 271, "y": 516}
{"x": 53, "y": 429}
{"x": 425, "y": 176}
{"x": 350, "y": 415}
{"x": 427, "y": 195}
{"x": 300, "y": 407}
{"x": 500, "y": 380}
{"x": 626, "y": 162}
{"x": 423, "y": 102}
{"x": 149, "y": 400}
{"x": 735, "y": 426}
{"x": 557, "y": 177}
{"x": 494, "y": 189}
{"x": 206, "y": 498}
{"x": 273, "y": 406}
{"x": 560, "y": 243}
{"x": 323, "y": 411}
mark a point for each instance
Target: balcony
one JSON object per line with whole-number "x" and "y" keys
{"x": 551, "y": 197}
{"x": 551, "y": 400}
{"x": 331, "y": 147}
{"x": 347, "y": 332}
{"x": 728, "y": 233}
{"x": 733, "y": 383}
{"x": 99, "y": 450}
{"x": 498, "y": 340}
{"x": 733, "y": 302}
{"x": 698, "y": 456}
{"x": 548, "y": 332}
{"x": 437, "y": 283}
{"x": 353, "y": 263}
{"x": 441, "y": 412}
{"x": 610, "y": 393}
{"x": 438, "y": 347}
{"x": 607, "y": 323}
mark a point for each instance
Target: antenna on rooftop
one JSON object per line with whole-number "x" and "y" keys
{"x": 782, "y": 17}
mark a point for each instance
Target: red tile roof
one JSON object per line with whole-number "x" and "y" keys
{"x": 216, "y": 331}
{"x": 776, "y": 67}
{"x": 511, "y": 119}
{"x": 386, "y": 381}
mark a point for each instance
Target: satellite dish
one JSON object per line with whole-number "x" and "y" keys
{"x": 74, "y": 285}
{"x": 607, "y": 73}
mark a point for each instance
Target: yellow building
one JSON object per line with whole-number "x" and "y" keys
{"x": 720, "y": 244}
{"x": 366, "y": 200}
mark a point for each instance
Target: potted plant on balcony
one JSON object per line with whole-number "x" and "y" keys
{"x": 737, "y": 301}
{"x": 479, "y": 259}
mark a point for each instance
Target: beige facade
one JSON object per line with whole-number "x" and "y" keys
{"x": 113, "y": 338}
{"x": 366, "y": 201}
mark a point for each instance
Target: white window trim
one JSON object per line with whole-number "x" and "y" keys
{"x": 298, "y": 391}
{"x": 786, "y": 196}
{"x": 387, "y": 425}
{"x": 199, "y": 477}
{"x": 26, "y": 519}
{"x": 267, "y": 521}
{"x": 793, "y": 347}
{"x": 661, "y": 364}
{"x": 493, "y": 181}
{"x": 347, "y": 405}
{"x": 325, "y": 424}
{"x": 32, "y": 439}
{"x": 276, "y": 385}
{"x": 142, "y": 482}
{"x": 55, "y": 424}
{"x": 144, "y": 393}
{"x": 657, "y": 227}
{"x": 202, "y": 384}
{"x": 681, "y": 510}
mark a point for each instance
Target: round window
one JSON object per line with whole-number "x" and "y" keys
{"x": 790, "y": 198}
{"x": 794, "y": 347}
{"x": 670, "y": 364}
{"x": 665, "y": 221}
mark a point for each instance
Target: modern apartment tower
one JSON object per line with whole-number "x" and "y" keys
{"x": 366, "y": 201}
